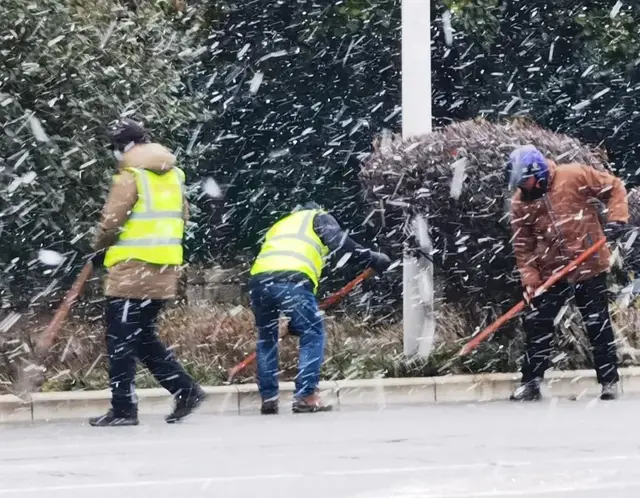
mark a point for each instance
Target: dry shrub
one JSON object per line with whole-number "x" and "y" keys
{"x": 469, "y": 228}
{"x": 211, "y": 339}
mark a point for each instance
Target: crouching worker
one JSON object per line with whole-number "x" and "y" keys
{"x": 553, "y": 223}
{"x": 139, "y": 241}
{"x": 284, "y": 279}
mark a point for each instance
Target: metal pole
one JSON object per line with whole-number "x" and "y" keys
{"x": 418, "y": 314}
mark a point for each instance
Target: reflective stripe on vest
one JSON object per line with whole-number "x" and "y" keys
{"x": 292, "y": 245}
{"x": 154, "y": 230}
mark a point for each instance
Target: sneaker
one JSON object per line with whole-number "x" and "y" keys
{"x": 310, "y": 404}
{"x": 609, "y": 392}
{"x": 111, "y": 420}
{"x": 186, "y": 405}
{"x": 269, "y": 406}
{"x": 529, "y": 391}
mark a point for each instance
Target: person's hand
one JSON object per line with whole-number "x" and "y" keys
{"x": 614, "y": 230}
{"x": 528, "y": 293}
{"x": 97, "y": 258}
{"x": 380, "y": 262}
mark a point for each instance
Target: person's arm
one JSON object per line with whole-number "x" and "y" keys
{"x": 524, "y": 245}
{"x": 608, "y": 189}
{"x": 185, "y": 211}
{"x": 120, "y": 201}
{"x": 338, "y": 241}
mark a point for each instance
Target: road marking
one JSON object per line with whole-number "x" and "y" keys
{"x": 363, "y": 472}
{"x": 414, "y": 493}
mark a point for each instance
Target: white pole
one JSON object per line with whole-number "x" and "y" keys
{"x": 416, "y": 67}
{"x": 418, "y": 312}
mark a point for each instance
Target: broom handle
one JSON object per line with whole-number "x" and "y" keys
{"x": 328, "y": 302}
{"x": 473, "y": 343}
{"x": 50, "y": 333}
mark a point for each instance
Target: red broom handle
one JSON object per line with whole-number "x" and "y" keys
{"x": 473, "y": 343}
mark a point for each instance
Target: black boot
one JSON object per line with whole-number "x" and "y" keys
{"x": 529, "y": 391}
{"x": 269, "y": 407}
{"x": 186, "y": 403}
{"x": 609, "y": 392}
{"x": 112, "y": 420}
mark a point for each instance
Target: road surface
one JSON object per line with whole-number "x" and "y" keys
{"x": 553, "y": 449}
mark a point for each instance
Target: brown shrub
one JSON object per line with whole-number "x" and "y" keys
{"x": 211, "y": 339}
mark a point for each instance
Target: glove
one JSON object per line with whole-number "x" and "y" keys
{"x": 97, "y": 258}
{"x": 380, "y": 262}
{"x": 614, "y": 230}
{"x": 528, "y": 294}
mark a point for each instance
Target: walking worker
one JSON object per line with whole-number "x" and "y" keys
{"x": 284, "y": 279}
{"x": 553, "y": 222}
{"x": 139, "y": 241}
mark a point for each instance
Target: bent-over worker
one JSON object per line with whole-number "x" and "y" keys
{"x": 554, "y": 222}
{"x": 285, "y": 279}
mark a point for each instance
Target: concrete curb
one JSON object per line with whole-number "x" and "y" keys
{"x": 375, "y": 393}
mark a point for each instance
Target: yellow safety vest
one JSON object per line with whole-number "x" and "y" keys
{"x": 154, "y": 230}
{"x": 292, "y": 245}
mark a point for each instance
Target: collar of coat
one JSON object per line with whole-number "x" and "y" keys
{"x": 151, "y": 156}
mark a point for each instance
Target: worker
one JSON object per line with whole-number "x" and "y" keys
{"x": 139, "y": 241}
{"x": 284, "y": 279}
{"x": 554, "y": 220}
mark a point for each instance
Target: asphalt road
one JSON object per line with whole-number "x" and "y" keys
{"x": 550, "y": 450}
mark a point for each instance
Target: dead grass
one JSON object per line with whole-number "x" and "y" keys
{"x": 211, "y": 339}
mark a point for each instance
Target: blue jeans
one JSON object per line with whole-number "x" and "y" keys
{"x": 296, "y": 301}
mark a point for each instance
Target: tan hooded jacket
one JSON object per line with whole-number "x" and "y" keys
{"x": 552, "y": 231}
{"x": 135, "y": 279}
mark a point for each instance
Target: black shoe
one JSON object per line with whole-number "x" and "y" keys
{"x": 186, "y": 404}
{"x": 609, "y": 392}
{"x": 529, "y": 391}
{"x": 110, "y": 420}
{"x": 269, "y": 407}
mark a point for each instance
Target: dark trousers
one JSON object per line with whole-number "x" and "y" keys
{"x": 591, "y": 299}
{"x": 132, "y": 335}
{"x": 299, "y": 304}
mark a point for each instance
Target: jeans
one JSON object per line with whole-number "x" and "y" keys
{"x": 132, "y": 335}
{"x": 296, "y": 301}
{"x": 591, "y": 298}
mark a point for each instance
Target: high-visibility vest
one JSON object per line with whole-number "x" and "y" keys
{"x": 154, "y": 231}
{"x": 292, "y": 245}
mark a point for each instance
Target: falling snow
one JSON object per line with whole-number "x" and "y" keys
{"x": 284, "y": 105}
{"x": 50, "y": 258}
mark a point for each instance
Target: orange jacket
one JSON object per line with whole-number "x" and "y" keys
{"x": 552, "y": 231}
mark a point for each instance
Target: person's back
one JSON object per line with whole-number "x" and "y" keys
{"x": 150, "y": 268}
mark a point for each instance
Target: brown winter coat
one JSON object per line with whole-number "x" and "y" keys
{"x": 135, "y": 279}
{"x": 552, "y": 231}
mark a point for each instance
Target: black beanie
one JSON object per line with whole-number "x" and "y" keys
{"x": 128, "y": 132}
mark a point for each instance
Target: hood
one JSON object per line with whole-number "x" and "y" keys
{"x": 552, "y": 170}
{"x": 153, "y": 157}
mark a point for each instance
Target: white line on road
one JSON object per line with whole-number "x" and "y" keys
{"x": 513, "y": 492}
{"x": 361, "y": 472}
